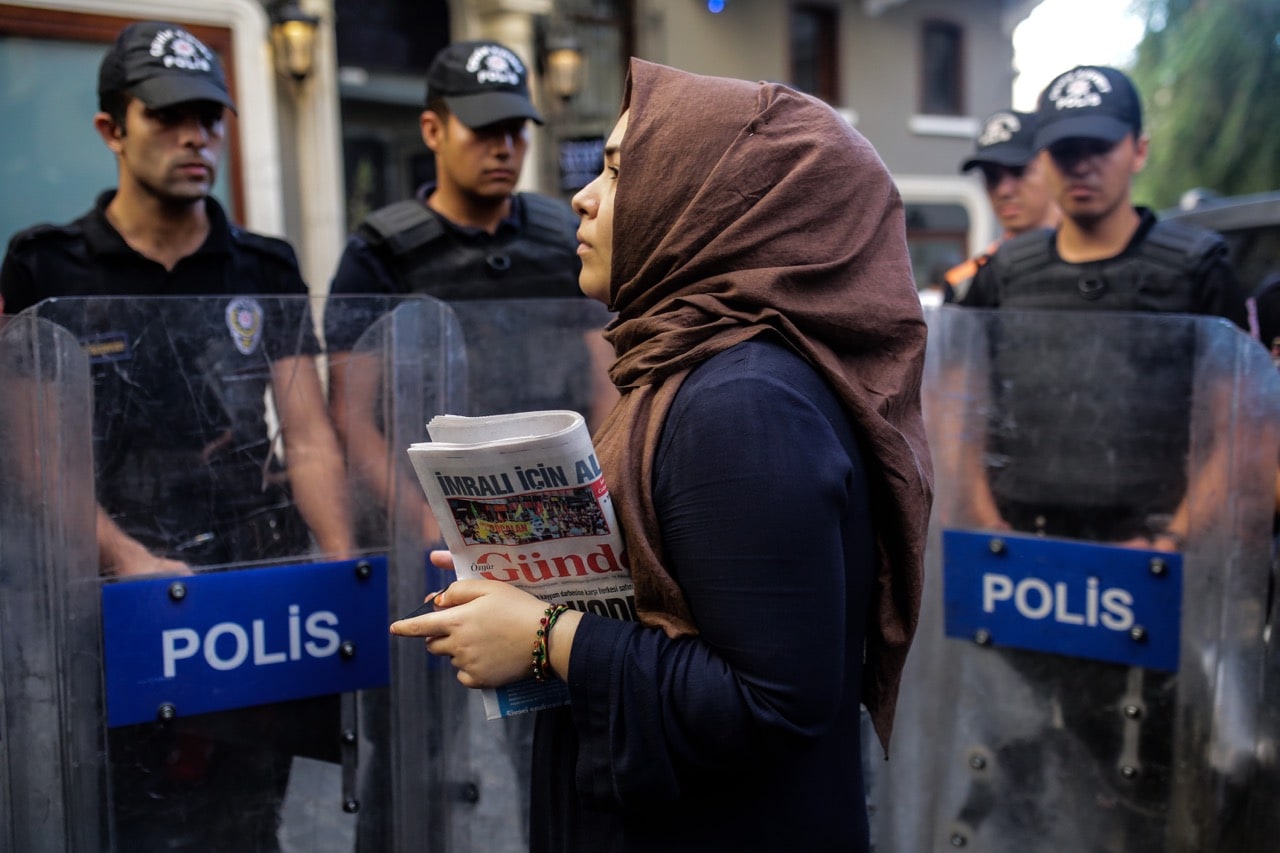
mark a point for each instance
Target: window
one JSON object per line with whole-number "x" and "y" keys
{"x": 942, "y": 84}
{"x": 55, "y": 161}
{"x": 390, "y": 36}
{"x": 813, "y": 51}
{"x": 937, "y": 235}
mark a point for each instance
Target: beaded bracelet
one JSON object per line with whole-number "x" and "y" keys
{"x": 541, "y": 668}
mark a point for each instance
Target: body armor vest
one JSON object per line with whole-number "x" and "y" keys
{"x": 1160, "y": 274}
{"x": 426, "y": 257}
{"x": 1051, "y": 447}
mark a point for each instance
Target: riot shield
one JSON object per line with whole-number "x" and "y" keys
{"x": 51, "y": 738}
{"x": 235, "y": 633}
{"x": 467, "y": 788}
{"x": 1082, "y": 678}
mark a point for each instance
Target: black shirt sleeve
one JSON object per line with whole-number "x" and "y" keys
{"x": 17, "y": 286}
{"x": 1221, "y": 293}
{"x": 982, "y": 292}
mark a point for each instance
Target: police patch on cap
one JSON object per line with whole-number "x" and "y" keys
{"x": 162, "y": 65}
{"x": 1089, "y": 101}
{"x": 482, "y": 82}
{"x": 1005, "y": 140}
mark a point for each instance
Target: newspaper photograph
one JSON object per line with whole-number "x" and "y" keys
{"x": 520, "y": 499}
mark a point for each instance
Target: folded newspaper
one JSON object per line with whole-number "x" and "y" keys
{"x": 520, "y": 498}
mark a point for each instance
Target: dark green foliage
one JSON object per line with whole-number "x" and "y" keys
{"x": 1209, "y": 73}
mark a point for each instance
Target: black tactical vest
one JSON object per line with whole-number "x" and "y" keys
{"x": 426, "y": 257}
{"x": 1112, "y": 433}
{"x": 1160, "y": 274}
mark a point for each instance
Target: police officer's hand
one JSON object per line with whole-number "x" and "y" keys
{"x": 131, "y": 559}
{"x": 121, "y": 555}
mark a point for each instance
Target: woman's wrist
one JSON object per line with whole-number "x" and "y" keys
{"x": 541, "y": 663}
{"x": 560, "y": 643}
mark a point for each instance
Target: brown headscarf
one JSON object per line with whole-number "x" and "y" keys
{"x": 743, "y": 208}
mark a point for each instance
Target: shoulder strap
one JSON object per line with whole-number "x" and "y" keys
{"x": 1025, "y": 254}
{"x": 401, "y": 227}
{"x": 1181, "y": 246}
{"x": 549, "y": 220}
{"x": 36, "y": 233}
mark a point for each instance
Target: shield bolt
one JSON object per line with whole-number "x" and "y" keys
{"x": 347, "y": 650}
{"x": 177, "y": 591}
{"x": 1133, "y": 712}
{"x": 997, "y": 546}
{"x": 364, "y": 571}
{"x": 1138, "y": 634}
{"x": 1159, "y": 567}
{"x": 982, "y": 637}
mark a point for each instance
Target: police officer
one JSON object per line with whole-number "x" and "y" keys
{"x": 1105, "y": 255}
{"x": 1088, "y": 437}
{"x": 469, "y": 236}
{"x": 1015, "y": 183}
{"x": 185, "y": 469}
{"x": 162, "y": 96}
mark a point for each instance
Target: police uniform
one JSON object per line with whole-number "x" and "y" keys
{"x": 408, "y": 248}
{"x": 182, "y": 449}
{"x": 183, "y": 463}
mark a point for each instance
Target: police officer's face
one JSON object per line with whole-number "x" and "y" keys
{"x": 483, "y": 162}
{"x": 594, "y": 203}
{"x": 1091, "y": 178}
{"x": 170, "y": 153}
{"x": 1019, "y": 196}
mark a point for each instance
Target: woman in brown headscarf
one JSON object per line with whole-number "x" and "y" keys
{"x": 768, "y": 464}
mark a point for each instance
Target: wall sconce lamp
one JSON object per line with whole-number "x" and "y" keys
{"x": 293, "y": 40}
{"x": 562, "y": 62}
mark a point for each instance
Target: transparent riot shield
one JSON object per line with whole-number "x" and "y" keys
{"x": 1087, "y": 674}
{"x": 460, "y": 781}
{"x": 51, "y": 739}
{"x": 237, "y": 628}
{"x": 394, "y": 363}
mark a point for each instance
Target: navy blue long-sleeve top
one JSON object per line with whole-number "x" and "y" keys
{"x": 746, "y": 736}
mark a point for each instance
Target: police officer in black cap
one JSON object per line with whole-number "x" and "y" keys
{"x": 468, "y": 236}
{"x": 1016, "y": 185}
{"x": 1089, "y": 437}
{"x": 162, "y": 97}
{"x": 1106, "y": 255}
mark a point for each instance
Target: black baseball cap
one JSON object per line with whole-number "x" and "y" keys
{"x": 1089, "y": 101}
{"x": 1005, "y": 140}
{"x": 482, "y": 82}
{"x": 161, "y": 65}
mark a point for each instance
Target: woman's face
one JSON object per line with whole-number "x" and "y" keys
{"x": 594, "y": 203}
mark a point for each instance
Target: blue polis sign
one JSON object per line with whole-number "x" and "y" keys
{"x": 1080, "y": 599}
{"x": 223, "y": 640}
